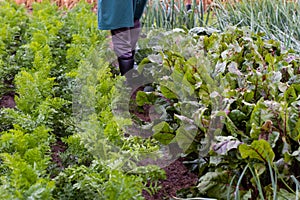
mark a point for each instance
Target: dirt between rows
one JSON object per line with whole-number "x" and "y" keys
{"x": 178, "y": 177}
{"x": 7, "y": 100}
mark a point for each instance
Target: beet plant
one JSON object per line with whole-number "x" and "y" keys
{"x": 234, "y": 109}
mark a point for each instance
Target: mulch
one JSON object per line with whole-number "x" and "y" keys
{"x": 7, "y": 100}
{"x": 56, "y": 148}
{"x": 178, "y": 177}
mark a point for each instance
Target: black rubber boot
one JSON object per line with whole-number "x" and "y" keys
{"x": 125, "y": 65}
{"x": 131, "y": 75}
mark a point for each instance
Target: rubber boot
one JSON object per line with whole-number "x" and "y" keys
{"x": 132, "y": 77}
{"x": 125, "y": 65}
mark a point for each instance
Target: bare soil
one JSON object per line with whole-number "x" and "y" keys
{"x": 56, "y": 148}
{"x": 7, "y": 100}
{"x": 178, "y": 177}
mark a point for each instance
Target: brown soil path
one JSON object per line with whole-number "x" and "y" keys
{"x": 178, "y": 177}
{"x": 7, "y": 100}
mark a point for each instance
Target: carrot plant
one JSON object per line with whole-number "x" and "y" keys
{"x": 14, "y": 20}
{"x": 55, "y": 50}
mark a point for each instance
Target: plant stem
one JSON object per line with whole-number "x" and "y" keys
{"x": 237, "y": 193}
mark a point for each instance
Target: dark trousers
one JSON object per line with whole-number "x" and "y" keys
{"x": 125, "y": 39}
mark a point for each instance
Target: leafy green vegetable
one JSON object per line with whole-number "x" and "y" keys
{"x": 163, "y": 133}
{"x": 259, "y": 149}
{"x": 214, "y": 184}
{"x": 235, "y": 97}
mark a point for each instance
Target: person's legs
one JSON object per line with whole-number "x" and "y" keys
{"x": 124, "y": 44}
{"x": 121, "y": 39}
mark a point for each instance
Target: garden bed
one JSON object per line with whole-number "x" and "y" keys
{"x": 224, "y": 120}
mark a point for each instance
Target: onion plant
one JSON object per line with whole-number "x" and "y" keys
{"x": 278, "y": 19}
{"x": 170, "y": 14}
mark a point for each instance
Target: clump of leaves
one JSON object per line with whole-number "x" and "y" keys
{"x": 24, "y": 159}
{"x": 229, "y": 90}
{"x": 14, "y": 19}
{"x": 96, "y": 182}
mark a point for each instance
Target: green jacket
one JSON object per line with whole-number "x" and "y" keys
{"x": 113, "y": 14}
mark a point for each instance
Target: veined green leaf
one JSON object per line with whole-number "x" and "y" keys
{"x": 259, "y": 115}
{"x": 259, "y": 149}
{"x": 163, "y": 133}
{"x": 225, "y": 144}
{"x": 185, "y": 135}
{"x": 214, "y": 184}
{"x": 293, "y": 120}
{"x": 168, "y": 93}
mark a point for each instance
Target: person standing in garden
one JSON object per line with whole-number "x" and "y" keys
{"x": 122, "y": 18}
